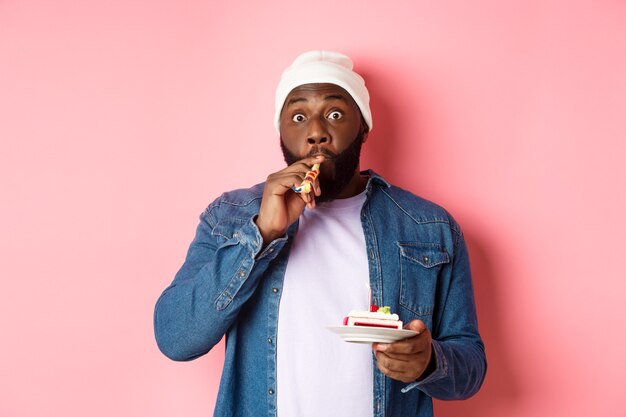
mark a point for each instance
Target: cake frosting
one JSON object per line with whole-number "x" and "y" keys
{"x": 375, "y": 317}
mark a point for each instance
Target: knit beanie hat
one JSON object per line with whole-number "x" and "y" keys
{"x": 323, "y": 67}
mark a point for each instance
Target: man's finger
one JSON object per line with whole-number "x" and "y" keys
{"x": 316, "y": 187}
{"x": 390, "y": 364}
{"x": 391, "y": 357}
{"x": 416, "y": 325}
{"x": 401, "y": 371}
{"x": 411, "y": 346}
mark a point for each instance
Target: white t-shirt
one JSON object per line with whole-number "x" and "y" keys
{"x": 327, "y": 276}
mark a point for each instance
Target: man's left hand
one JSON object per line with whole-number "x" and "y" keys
{"x": 406, "y": 360}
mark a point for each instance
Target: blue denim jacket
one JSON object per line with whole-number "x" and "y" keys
{"x": 228, "y": 285}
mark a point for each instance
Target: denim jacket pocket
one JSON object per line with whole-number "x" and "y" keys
{"x": 420, "y": 264}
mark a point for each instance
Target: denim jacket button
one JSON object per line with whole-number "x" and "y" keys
{"x": 269, "y": 340}
{"x": 274, "y": 290}
{"x": 242, "y": 274}
{"x": 270, "y": 391}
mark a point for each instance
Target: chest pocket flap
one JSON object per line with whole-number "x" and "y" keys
{"x": 424, "y": 254}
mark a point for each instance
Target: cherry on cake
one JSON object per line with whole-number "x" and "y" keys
{"x": 376, "y": 317}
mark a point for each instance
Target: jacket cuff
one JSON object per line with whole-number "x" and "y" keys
{"x": 440, "y": 371}
{"x": 250, "y": 236}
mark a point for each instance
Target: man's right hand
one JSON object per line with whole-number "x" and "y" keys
{"x": 281, "y": 206}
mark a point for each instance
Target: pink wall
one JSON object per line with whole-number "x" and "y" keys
{"x": 120, "y": 121}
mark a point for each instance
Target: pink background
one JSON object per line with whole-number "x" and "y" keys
{"x": 120, "y": 121}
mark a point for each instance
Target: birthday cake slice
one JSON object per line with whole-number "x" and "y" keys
{"x": 376, "y": 317}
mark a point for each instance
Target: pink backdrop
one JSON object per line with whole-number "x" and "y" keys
{"x": 120, "y": 121}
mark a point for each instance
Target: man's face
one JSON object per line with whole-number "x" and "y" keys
{"x": 323, "y": 119}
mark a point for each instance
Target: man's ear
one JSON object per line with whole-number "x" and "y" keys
{"x": 365, "y": 130}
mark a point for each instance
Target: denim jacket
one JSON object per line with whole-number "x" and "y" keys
{"x": 230, "y": 285}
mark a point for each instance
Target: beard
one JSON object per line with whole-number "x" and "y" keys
{"x": 346, "y": 164}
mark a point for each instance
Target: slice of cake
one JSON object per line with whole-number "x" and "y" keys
{"x": 376, "y": 317}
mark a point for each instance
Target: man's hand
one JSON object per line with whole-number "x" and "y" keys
{"x": 408, "y": 359}
{"x": 281, "y": 206}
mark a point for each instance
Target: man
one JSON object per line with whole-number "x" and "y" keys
{"x": 271, "y": 269}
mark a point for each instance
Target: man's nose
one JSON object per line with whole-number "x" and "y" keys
{"x": 317, "y": 133}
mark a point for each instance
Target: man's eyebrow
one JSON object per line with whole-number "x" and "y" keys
{"x": 294, "y": 100}
{"x": 334, "y": 97}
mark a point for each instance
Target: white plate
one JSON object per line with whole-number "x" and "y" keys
{"x": 363, "y": 334}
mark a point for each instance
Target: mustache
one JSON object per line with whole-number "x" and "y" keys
{"x": 318, "y": 150}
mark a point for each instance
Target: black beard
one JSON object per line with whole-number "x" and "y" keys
{"x": 346, "y": 164}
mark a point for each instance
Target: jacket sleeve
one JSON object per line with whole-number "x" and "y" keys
{"x": 459, "y": 352}
{"x": 223, "y": 267}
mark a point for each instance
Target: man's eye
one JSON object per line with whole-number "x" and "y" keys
{"x": 298, "y": 118}
{"x": 335, "y": 115}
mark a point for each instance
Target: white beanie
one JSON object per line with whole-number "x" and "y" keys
{"x": 323, "y": 67}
